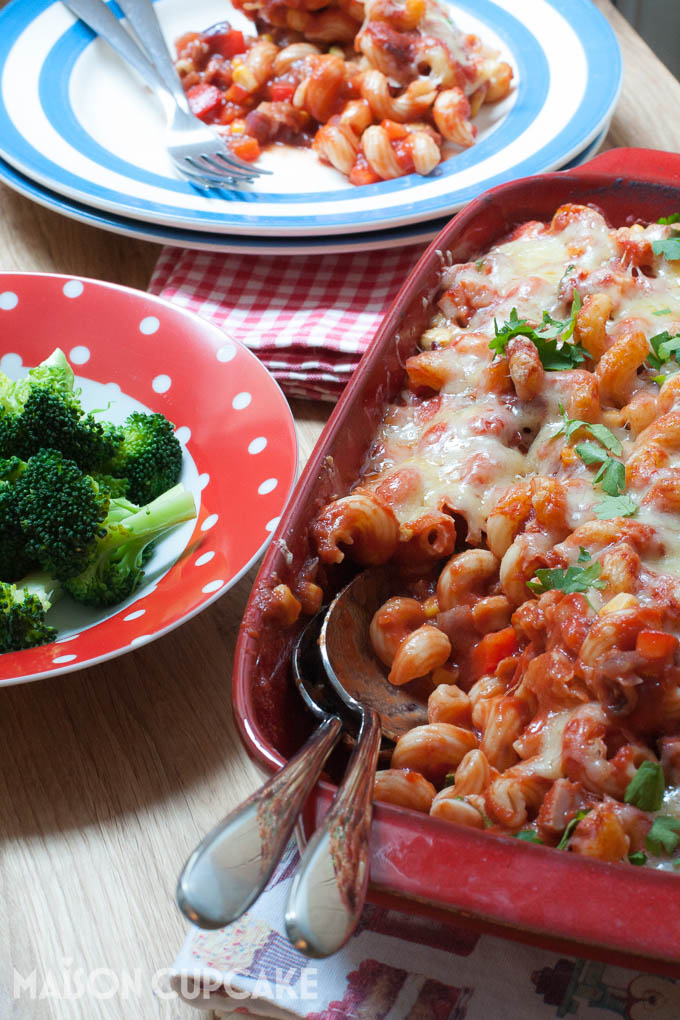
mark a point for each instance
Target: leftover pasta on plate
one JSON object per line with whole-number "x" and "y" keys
{"x": 526, "y": 489}
{"x": 378, "y": 89}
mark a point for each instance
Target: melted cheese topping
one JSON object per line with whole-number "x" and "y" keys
{"x": 584, "y": 684}
{"x": 478, "y": 443}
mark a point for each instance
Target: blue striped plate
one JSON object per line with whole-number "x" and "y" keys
{"x": 414, "y": 233}
{"x": 75, "y": 121}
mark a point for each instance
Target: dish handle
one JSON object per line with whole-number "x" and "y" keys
{"x": 649, "y": 164}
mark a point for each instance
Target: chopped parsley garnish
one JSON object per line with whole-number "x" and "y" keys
{"x": 637, "y": 858}
{"x": 514, "y": 326}
{"x": 529, "y": 836}
{"x": 670, "y": 248}
{"x": 550, "y": 338}
{"x": 615, "y": 506}
{"x": 568, "y": 580}
{"x": 664, "y": 835}
{"x": 662, "y": 311}
{"x": 569, "y": 831}
{"x": 551, "y": 328}
{"x": 583, "y": 555}
{"x": 599, "y": 432}
{"x": 611, "y": 474}
{"x": 664, "y": 348}
{"x": 607, "y": 438}
{"x": 658, "y": 379}
{"x": 450, "y": 779}
{"x": 646, "y": 788}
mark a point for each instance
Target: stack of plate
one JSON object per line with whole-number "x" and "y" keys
{"x": 80, "y": 134}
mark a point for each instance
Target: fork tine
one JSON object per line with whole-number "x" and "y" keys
{"x": 203, "y": 180}
{"x": 202, "y": 164}
{"x": 235, "y": 161}
{"x": 204, "y": 186}
{"x": 193, "y": 168}
{"x": 221, "y": 164}
{"x": 210, "y": 184}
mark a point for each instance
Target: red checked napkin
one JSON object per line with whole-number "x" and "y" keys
{"x": 309, "y": 318}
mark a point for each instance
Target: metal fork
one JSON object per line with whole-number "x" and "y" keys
{"x": 197, "y": 152}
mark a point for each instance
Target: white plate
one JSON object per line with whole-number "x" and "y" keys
{"x": 416, "y": 233}
{"x": 75, "y": 120}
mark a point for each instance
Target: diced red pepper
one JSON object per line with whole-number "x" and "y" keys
{"x": 280, "y": 91}
{"x": 230, "y": 111}
{"x": 244, "y": 147}
{"x": 402, "y": 150}
{"x": 227, "y": 43}
{"x": 236, "y": 94}
{"x": 393, "y": 129}
{"x": 205, "y": 101}
{"x": 491, "y": 650}
{"x": 361, "y": 172}
{"x": 656, "y": 645}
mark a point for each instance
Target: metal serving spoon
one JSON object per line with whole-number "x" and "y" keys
{"x": 329, "y": 887}
{"x": 354, "y": 670}
{"x": 232, "y": 864}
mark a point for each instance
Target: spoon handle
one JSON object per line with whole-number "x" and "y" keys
{"x": 232, "y": 864}
{"x": 144, "y": 20}
{"x": 329, "y": 888}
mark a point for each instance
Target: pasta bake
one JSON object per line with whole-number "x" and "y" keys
{"x": 378, "y": 89}
{"x": 526, "y": 488}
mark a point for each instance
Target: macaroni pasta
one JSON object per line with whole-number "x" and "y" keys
{"x": 526, "y": 488}
{"x": 378, "y": 89}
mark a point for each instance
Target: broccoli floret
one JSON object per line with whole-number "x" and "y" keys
{"x": 54, "y": 372}
{"x": 118, "y": 557}
{"x": 48, "y": 419}
{"x": 92, "y": 542}
{"x": 61, "y": 512}
{"x": 11, "y": 468}
{"x": 149, "y": 456}
{"x": 67, "y": 485}
{"x": 43, "y": 410}
{"x": 15, "y": 561}
{"x": 22, "y": 612}
{"x": 113, "y": 486}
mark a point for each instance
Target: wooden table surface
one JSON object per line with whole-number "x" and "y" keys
{"x": 109, "y": 776}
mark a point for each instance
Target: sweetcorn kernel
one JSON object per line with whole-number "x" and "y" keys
{"x": 621, "y": 601}
{"x": 243, "y": 76}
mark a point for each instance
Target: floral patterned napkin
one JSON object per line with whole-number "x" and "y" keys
{"x": 402, "y": 967}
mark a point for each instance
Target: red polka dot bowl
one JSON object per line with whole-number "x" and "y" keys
{"x": 133, "y": 351}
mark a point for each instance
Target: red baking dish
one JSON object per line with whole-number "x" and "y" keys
{"x": 420, "y": 864}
